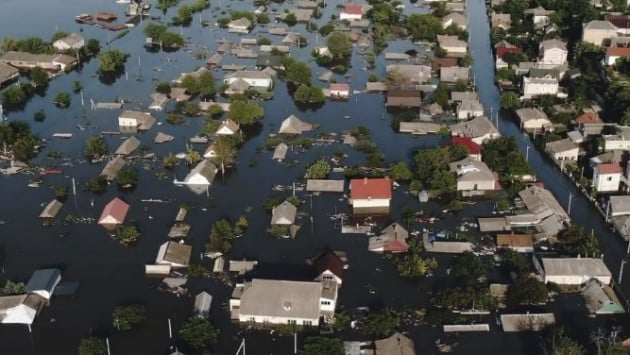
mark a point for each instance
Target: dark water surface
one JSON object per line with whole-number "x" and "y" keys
{"x": 111, "y": 274}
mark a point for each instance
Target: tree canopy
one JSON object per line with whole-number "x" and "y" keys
{"x": 526, "y": 290}
{"x": 309, "y": 94}
{"x": 424, "y": 27}
{"x": 92, "y": 346}
{"x": 95, "y": 147}
{"x": 245, "y": 112}
{"x": 297, "y": 72}
{"x": 574, "y": 241}
{"x": 126, "y": 317}
{"x": 319, "y": 345}
{"x": 111, "y": 60}
{"x": 339, "y": 45}
{"x": 220, "y": 236}
{"x": 468, "y": 267}
{"x": 318, "y": 170}
{"x": 198, "y": 332}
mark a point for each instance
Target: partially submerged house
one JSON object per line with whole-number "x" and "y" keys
{"x": 479, "y": 129}
{"x": 339, "y": 90}
{"x": 202, "y": 174}
{"x": 607, "y": 177}
{"x": 43, "y": 283}
{"x": 396, "y": 344}
{"x": 293, "y": 125}
{"x": 71, "y": 41}
{"x": 473, "y": 177}
{"x": 51, "y": 209}
{"x": 601, "y": 299}
{"x": 177, "y": 255}
{"x": 20, "y": 309}
{"x": 114, "y": 212}
{"x": 284, "y": 213}
{"x": 254, "y": 79}
{"x": 129, "y": 121}
{"x": 203, "y": 301}
{"x": 370, "y": 195}
{"x": 280, "y": 152}
{"x": 113, "y": 167}
{"x": 330, "y": 266}
{"x": 534, "y": 120}
{"x": 527, "y": 322}
{"x": 128, "y": 146}
{"x": 392, "y": 239}
{"x": 7, "y": 73}
{"x": 572, "y": 271}
{"x": 403, "y": 98}
{"x": 227, "y": 128}
{"x": 241, "y": 25}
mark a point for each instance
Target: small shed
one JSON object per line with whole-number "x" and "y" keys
{"x": 51, "y": 209}
{"x": 219, "y": 265}
{"x": 423, "y": 196}
{"x": 128, "y": 146}
{"x": 181, "y": 214}
{"x": 174, "y": 254}
{"x": 284, "y": 213}
{"x": 203, "y": 301}
{"x": 43, "y": 282}
{"x": 324, "y": 185}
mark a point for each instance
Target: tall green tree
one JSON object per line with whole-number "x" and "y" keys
{"x": 245, "y": 112}
{"x": 111, "y": 60}
{"x": 39, "y": 77}
{"x": 127, "y": 317}
{"x": 339, "y": 45}
{"x": 318, "y": 345}
{"x": 298, "y": 72}
{"x": 92, "y": 346}
{"x": 526, "y": 290}
{"x": 198, "y": 332}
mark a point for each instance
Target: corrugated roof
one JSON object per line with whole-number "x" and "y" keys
{"x": 281, "y": 298}
{"x": 377, "y": 188}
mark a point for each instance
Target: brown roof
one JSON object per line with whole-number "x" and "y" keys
{"x": 588, "y": 117}
{"x": 444, "y": 63}
{"x": 376, "y": 188}
{"x": 618, "y": 52}
{"x": 329, "y": 261}
{"x": 514, "y": 240}
{"x": 404, "y": 98}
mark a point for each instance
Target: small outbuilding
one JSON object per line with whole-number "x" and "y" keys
{"x": 284, "y": 214}
{"x": 51, "y": 210}
{"x": 176, "y": 255}
{"x": 203, "y": 301}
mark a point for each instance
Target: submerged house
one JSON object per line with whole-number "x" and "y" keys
{"x": 227, "y": 128}
{"x": 43, "y": 283}
{"x": 284, "y": 214}
{"x": 601, "y": 299}
{"x": 176, "y": 255}
{"x": 203, "y": 301}
{"x": 129, "y": 121}
{"x": 202, "y": 174}
{"x": 20, "y": 309}
{"x": 280, "y": 152}
{"x": 391, "y": 240}
{"x": 370, "y": 195}
{"x": 51, "y": 210}
{"x": 397, "y": 344}
{"x": 128, "y": 146}
{"x": 113, "y": 167}
{"x": 293, "y": 125}
{"x": 114, "y": 213}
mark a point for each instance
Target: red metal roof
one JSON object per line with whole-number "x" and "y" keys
{"x": 339, "y": 87}
{"x": 354, "y": 9}
{"x": 395, "y": 246}
{"x": 467, "y": 142}
{"x": 609, "y": 168}
{"x": 588, "y": 117}
{"x": 618, "y": 52}
{"x": 116, "y": 208}
{"x": 501, "y": 51}
{"x": 370, "y": 188}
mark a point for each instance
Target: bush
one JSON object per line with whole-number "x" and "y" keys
{"x": 97, "y": 184}
{"x": 127, "y": 177}
{"x": 92, "y": 346}
{"x": 127, "y": 317}
{"x": 127, "y": 234}
{"x": 198, "y": 332}
{"x": 39, "y": 116}
{"x": 63, "y": 100}
{"x": 163, "y": 87}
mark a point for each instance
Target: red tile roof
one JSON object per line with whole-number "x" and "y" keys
{"x": 501, "y": 51}
{"x": 618, "y": 52}
{"x": 370, "y": 188}
{"x": 467, "y": 142}
{"x": 609, "y": 168}
{"x": 329, "y": 261}
{"x": 354, "y": 9}
{"x": 588, "y": 117}
{"x": 116, "y": 209}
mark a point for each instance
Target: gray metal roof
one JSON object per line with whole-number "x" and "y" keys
{"x": 575, "y": 267}
{"x": 280, "y": 298}
{"x": 284, "y": 213}
{"x": 323, "y": 185}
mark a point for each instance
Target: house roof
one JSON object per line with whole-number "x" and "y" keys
{"x": 413, "y": 72}
{"x": 397, "y": 344}
{"x": 51, "y": 209}
{"x": 249, "y": 74}
{"x": 204, "y": 168}
{"x": 601, "y": 298}
{"x": 472, "y": 147}
{"x": 575, "y": 267}
{"x": 539, "y": 11}
{"x": 444, "y": 63}
{"x": 609, "y": 168}
{"x": 477, "y": 127}
{"x": 619, "y": 20}
{"x": 392, "y": 239}
{"x": 116, "y": 208}
{"x": 324, "y": 185}
{"x": 470, "y": 105}
{"x": 229, "y": 124}
{"x": 329, "y": 261}
{"x": 111, "y": 169}
{"x": 265, "y": 60}
{"x": 43, "y": 280}
{"x": 293, "y": 125}
{"x": 599, "y": 25}
{"x": 469, "y": 169}
{"x": 128, "y": 146}
{"x": 541, "y": 202}
{"x": 559, "y": 146}
{"x": 377, "y": 188}
{"x": 7, "y": 72}
{"x": 281, "y": 298}
{"x": 542, "y": 73}
{"x": 281, "y": 151}
{"x": 354, "y": 9}
{"x": 284, "y": 213}
{"x": 620, "y": 205}
{"x": 527, "y": 322}
{"x": 456, "y": 17}
{"x": 529, "y": 113}
{"x": 203, "y": 301}
{"x": 339, "y": 87}
{"x": 553, "y": 43}
{"x": 618, "y": 52}
{"x": 464, "y": 95}
{"x": 215, "y": 59}
{"x": 588, "y": 118}
{"x": 514, "y": 240}
{"x": 241, "y": 22}
{"x": 175, "y": 253}
{"x": 453, "y": 74}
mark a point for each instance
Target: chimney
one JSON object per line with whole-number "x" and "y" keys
{"x": 365, "y": 181}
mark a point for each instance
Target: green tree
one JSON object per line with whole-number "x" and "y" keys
{"x": 63, "y": 100}
{"x": 39, "y": 77}
{"x": 465, "y": 61}
{"x": 93, "y": 46}
{"x": 97, "y": 184}
{"x": 290, "y": 19}
{"x": 413, "y": 265}
{"x": 464, "y": 297}
{"x": 220, "y": 236}
{"x": 298, "y": 72}
{"x": 95, "y": 147}
{"x": 192, "y": 156}
{"x": 526, "y": 290}
{"x": 77, "y": 86}
{"x": 8, "y": 44}
{"x": 562, "y": 344}
{"x": 513, "y": 261}
{"x": 24, "y": 148}
{"x": 506, "y": 74}
{"x": 198, "y": 332}
{"x": 400, "y": 172}
{"x": 339, "y": 45}
{"x": 171, "y": 40}
{"x": 262, "y": 18}
{"x": 574, "y": 241}
{"x": 169, "y": 161}
{"x": 309, "y": 94}
{"x": 224, "y": 153}
{"x": 127, "y": 234}
{"x": 440, "y": 96}
{"x": 58, "y": 35}
{"x": 111, "y": 60}
{"x": 468, "y": 267}
{"x": 424, "y": 27}
{"x": 127, "y": 177}
{"x": 381, "y": 324}
{"x": 319, "y": 345}
{"x": 205, "y": 83}
{"x": 245, "y": 112}
{"x": 14, "y": 97}
{"x": 127, "y": 317}
{"x": 13, "y": 288}
{"x": 163, "y": 87}
{"x": 318, "y": 170}
{"x": 92, "y": 346}
{"x": 443, "y": 182}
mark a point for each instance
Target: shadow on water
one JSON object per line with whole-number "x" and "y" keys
{"x": 109, "y": 78}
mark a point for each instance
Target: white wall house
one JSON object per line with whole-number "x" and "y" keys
{"x": 256, "y": 79}
{"x": 533, "y": 87}
{"x": 370, "y": 194}
{"x": 607, "y": 177}
{"x": 573, "y": 271}
{"x": 596, "y": 32}
{"x": 553, "y": 52}
{"x": 72, "y": 41}
{"x": 563, "y": 149}
{"x": 473, "y": 176}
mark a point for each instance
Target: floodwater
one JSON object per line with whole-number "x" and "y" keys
{"x": 111, "y": 274}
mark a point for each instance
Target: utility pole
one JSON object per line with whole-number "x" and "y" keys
{"x": 527, "y": 154}
{"x": 569, "y": 206}
{"x": 623, "y": 262}
{"x": 607, "y": 210}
